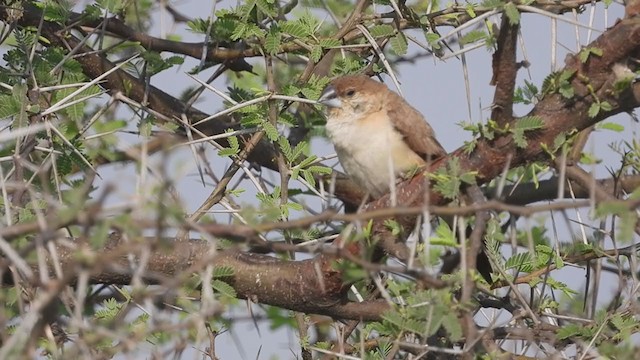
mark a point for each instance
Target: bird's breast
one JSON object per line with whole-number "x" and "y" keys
{"x": 370, "y": 150}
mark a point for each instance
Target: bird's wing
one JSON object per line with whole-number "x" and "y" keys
{"x": 417, "y": 133}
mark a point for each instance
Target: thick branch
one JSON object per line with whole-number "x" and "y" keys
{"x": 505, "y": 70}
{"x": 310, "y": 286}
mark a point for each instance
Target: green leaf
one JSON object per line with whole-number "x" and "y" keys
{"x": 267, "y": 7}
{"x": 399, "y": 44}
{"x": 594, "y": 110}
{"x": 626, "y": 226}
{"x": 610, "y": 126}
{"x": 449, "y": 188}
{"x": 316, "y": 53}
{"x": 378, "y": 31}
{"x": 295, "y": 206}
{"x": 557, "y": 285}
{"x": 246, "y": 30}
{"x": 566, "y": 75}
{"x": 521, "y": 261}
{"x": 239, "y": 31}
{"x": 245, "y": 10}
{"x": 568, "y": 331}
{"x": 310, "y": 93}
{"x": 76, "y": 111}
{"x": 588, "y": 51}
{"x": 291, "y": 90}
{"x": 198, "y": 25}
{"x": 310, "y": 22}
{"x": 448, "y": 179}
{"x": 444, "y": 235}
{"x": 223, "y": 271}
{"x": 56, "y": 11}
{"x": 330, "y": 42}
{"x": 227, "y": 152}
{"x": 394, "y": 317}
{"x": 492, "y": 3}
{"x": 473, "y": 36}
{"x": 519, "y": 139}
{"x": 91, "y": 12}
{"x": 526, "y": 94}
{"x": 271, "y": 131}
{"x": 309, "y": 178}
{"x": 234, "y": 143}
{"x": 559, "y": 82}
{"x": 317, "y": 169}
{"x": 432, "y": 38}
{"x": 114, "y": 6}
{"x": 234, "y": 146}
{"x": 393, "y": 226}
{"x": 224, "y": 288}
{"x": 470, "y": 10}
{"x": 223, "y": 28}
{"x": 9, "y": 107}
{"x": 295, "y": 172}
{"x": 566, "y": 91}
{"x": 610, "y": 208}
{"x": 452, "y": 325}
{"x": 307, "y": 161}
{"x": 300, "y": 150}
{"x": 279, "y": 318}
{"x": 272, "y": 41}
{"x": 559, "y": 141}
{"x": 70, "y": 158}
{"x": 528, "y": 123}
{"x": 294, "y": 29}
{"x": 145, "y": 126}
{"x": 353, "y": 272}
{"x": 589, "y": 159}
{"x": 584, "y": 55}
{"x": 285, "y": 147}
{"x": 19, "y": 103}
{"x": 512, "y": 13}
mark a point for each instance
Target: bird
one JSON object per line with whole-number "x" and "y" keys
{"x": 379, "y": 138}
{"x": 377, "y": 135}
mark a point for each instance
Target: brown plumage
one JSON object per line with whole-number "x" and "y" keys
{"x": 378, "y": 136}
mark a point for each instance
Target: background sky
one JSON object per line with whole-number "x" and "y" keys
{"x": 436, "y": 88}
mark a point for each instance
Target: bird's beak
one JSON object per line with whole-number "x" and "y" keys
{"x": 329, "y": 97}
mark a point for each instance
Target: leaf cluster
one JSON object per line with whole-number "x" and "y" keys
{"x": 492, "y": 129}
{"x": 422, "y": 313}
{"x": 606, "y": 329}
{"x": 448, "y": 179}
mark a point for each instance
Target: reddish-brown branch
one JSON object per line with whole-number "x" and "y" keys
{"x": 505, "y": 70}
{"x": 234, "y": 58}
{"x": 310, "y": 286}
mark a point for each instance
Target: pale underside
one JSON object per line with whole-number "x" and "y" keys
{"x": 377, "y": 153}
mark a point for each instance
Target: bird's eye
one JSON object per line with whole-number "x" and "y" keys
{"x": 350, "y": 92}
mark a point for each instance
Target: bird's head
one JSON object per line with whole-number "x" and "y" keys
{"x": 353, "y": 94}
